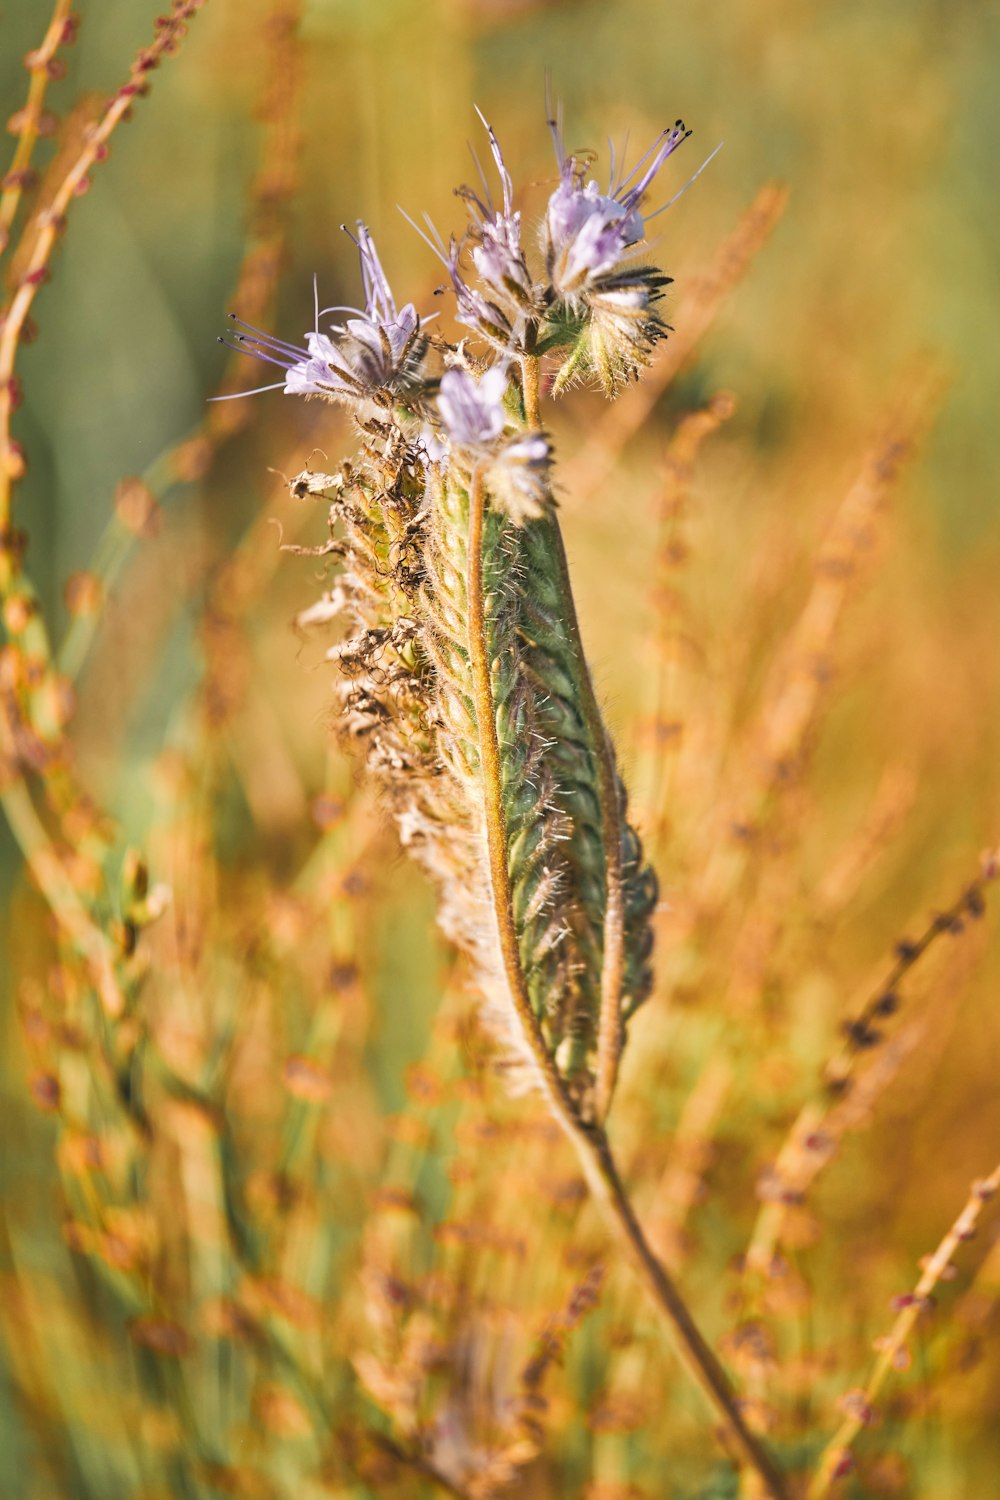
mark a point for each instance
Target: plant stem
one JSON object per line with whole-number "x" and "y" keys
{"x": 612, "y": 1198}
{"x": 609, "y": 1030}
{"x": 590, "y": 1142}
{"x": 60, "y": 894}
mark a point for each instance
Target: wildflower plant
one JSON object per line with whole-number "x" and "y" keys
{"x": 463, "y": 676}
{"x": 311, "y": 1241}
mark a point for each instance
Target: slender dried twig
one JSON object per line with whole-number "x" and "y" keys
{"x": 46, "y": 227}
{"x": 811, "y": 1142}
{"x": 836, "y": 1460}
{"x": 43, "y": 66}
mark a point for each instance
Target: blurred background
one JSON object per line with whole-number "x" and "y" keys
{"x": 300, "y": 1176}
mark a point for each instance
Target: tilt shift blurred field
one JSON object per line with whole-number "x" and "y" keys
{"x": 274, "y": 1226}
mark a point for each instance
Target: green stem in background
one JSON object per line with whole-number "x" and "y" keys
{"x": 108, "y": 561}
{"x": 41, "y": 857}
{"x": 609, "y": 1032}
{"x": 589, "y": 1141}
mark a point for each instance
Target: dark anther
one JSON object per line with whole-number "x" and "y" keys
{"x": 887, "y": 1004}
{"x": 906, "y": 951}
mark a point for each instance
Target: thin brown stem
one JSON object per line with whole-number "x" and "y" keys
{"x": 48, "y": 224}
{"x": 613, "y": 1200}
{"x": 529, "y": 388}
{"x": 798, "y": 1162}
{"x": 589, "y": 1141}
{"x": 836, "y": 1457}
{"x": 29, "y": 119}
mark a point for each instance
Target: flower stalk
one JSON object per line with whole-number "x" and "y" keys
{"x": 462, "y": 674}
{"x": 589, "y": 1139}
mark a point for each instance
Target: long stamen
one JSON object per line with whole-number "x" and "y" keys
{"x": 664, "y": 135}
{"x": 553, "y": 119}
{"x": 505, "y": 178}
{"x": 378, "y": 292}
{"x": 242, "y": 343}
{"x": 664, "y": 146}
{"x": 366, "y": 275}
{"x": 485, "y": 203}
{"x": 358, "y": 312}
{"x": 436, "y": 249}
{"x": 257, "y": 335}
{"x": 257, "y": 391}
{"x": 691, "y": 179}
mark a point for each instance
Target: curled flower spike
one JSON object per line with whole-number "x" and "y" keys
{"x": 473, "y": 417}
{"x": 462, "y": 673}
{"x": 375, "y": 356}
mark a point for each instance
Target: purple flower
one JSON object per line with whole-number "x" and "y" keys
{"x": 587, "y": 232}
{"x": 589, "y": 239}
{"x": 375, "y": 353}
{"x": 497, "y": 255}
{"x": 472, "y": 410}
{"x": 474, "y": 418}
{"x": 505, "y": 296}
{"x": 486, "y": 315}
